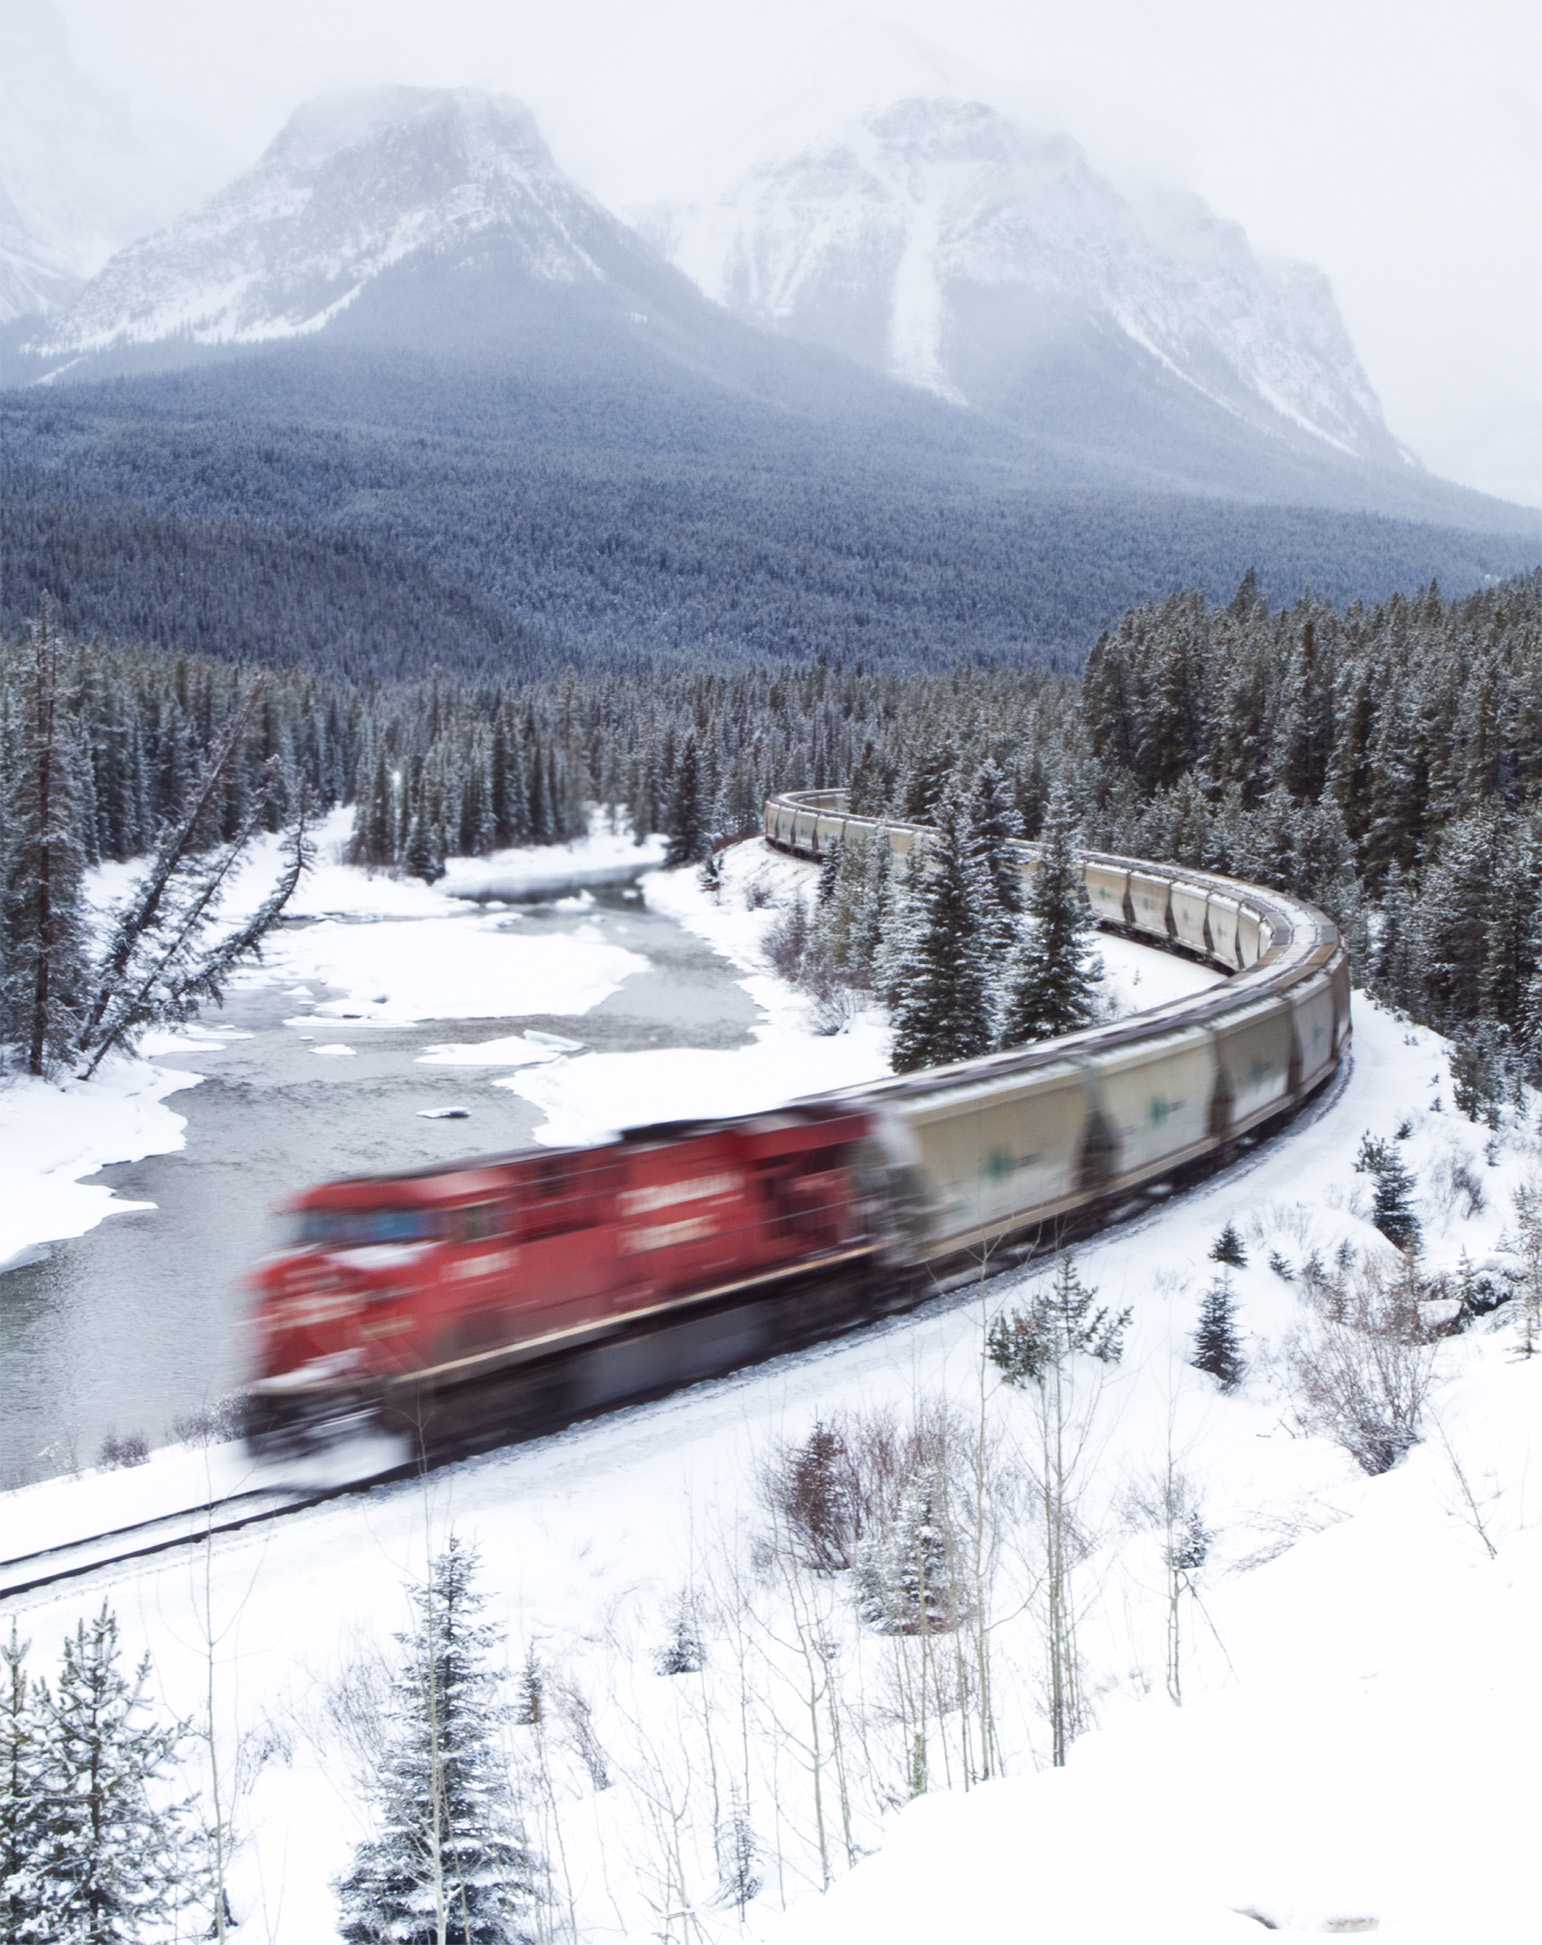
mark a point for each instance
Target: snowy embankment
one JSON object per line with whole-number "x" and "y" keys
{"x": 1358, "y": 1665}
{"x": 1359, "y": 1674}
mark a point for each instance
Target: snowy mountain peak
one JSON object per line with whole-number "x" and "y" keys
{"x": 352, "y": 184}
{"x": 957, "y": 248}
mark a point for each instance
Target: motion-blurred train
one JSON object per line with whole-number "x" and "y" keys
{"x": 469, "y": 1302}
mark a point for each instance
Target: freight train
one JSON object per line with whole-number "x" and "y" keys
{"x": 467, "y": 1303}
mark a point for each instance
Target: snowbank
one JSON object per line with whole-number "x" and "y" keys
{"x": 1370, "y": 1768}
{"x": 590, "y": 1098}
{"x": 53, "y": 1134}
{"x": 333, "y": 889}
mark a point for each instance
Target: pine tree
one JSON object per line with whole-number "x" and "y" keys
{"x": 829, "y": 874}
{"x": 1025, "y": 1344}
{"x": 1395, "y": 1184}
{"x": 449, "y": 1865}
{"x": 43, "y": 934}
{"x": 1217, "y": 1348}
{"x": 22, "y": 1821}
{"x": 1394, "y": 965}
{"x": 997, "y": 828}
{"x": 686, "y": 818}
{"x": 114, "y": 1861}
{"x": 738, "y": 1856}
{"x": 421, "y": 855}
{"x": 940, "y": 971}
{"x": 1051, "y": 986}
{"x": 1227, "y": 1248}
{"x": 684, "y": 1653}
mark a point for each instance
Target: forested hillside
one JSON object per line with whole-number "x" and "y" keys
{"x": 1384, "y": 761}
{"x": 375, "y": 519}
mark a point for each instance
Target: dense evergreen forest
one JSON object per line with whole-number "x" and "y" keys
{"x": 1385, "y": 761}
{"x": 369, "y": 524}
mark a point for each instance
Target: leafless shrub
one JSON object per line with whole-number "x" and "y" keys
{"x": 795, "y": 951}
{"x": 64, "y": 1452}
{"x": 758, "y": 895}
{"x": 116, "y": 1454}
{"x": 829, "y": 1492}
{"x": 577, "y": 1716}
{"x": 209, "y": 1424}
{"x": 355, "y": 1707}
{"x": 266, "y": 1741}
{"x": 1362, "y": 1370}
{"x": 787, "y": 940}
{"x": 1455, "y": 1185}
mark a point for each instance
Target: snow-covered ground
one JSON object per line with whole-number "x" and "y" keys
{"x": 1360, "y": 1677}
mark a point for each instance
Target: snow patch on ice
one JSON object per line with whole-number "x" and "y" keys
{"x": 53, "y": 1133}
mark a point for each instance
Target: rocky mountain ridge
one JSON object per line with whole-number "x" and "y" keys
{"x": 353, "y": 185}
{"x": 952, "y": 247}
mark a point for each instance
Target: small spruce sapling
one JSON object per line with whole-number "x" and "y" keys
{"x": 1217, "y": 1348}
{"x": 1394, "y": 1186}
{"x": 1527, "y": 1279}
{"x": 684, "y": 1652}
{"x": 903, "y": 1578}
{"x": 449, "y": 1861}
{"x": 738, "y": 1857}
{"x": 1227, "y": 1248}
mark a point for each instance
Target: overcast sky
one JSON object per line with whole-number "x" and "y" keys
{"x": 1399, "y": 146}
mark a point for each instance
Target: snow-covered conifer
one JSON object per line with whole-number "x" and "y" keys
{"x": 738, "y": 1856}
{"x": 685, "y": 820}
{"x": 22, "y": 1820}
{"x": 829, "y": 873}
{"x": 997, "y": 827}
{"x": 904, "y": 1575}
{"x": 448, "y": 1864}
{"x": 1217, "y": 1348}
{"x": 1024, "y": 1343}
{"x": 940, "y": 971}
{"x": 1394, "y": 1182}
{"x": 44, "y": 967}
{"x": 684, "y": 1653}
{"x": 1050, "y": 987}
{"x": 1227, "y": 1248}
{"x": 119, "y": 1855}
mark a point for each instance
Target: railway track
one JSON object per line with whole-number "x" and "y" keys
{"x": 25, "y": 1573}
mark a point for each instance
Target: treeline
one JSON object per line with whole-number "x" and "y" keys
{"x": 1384, "y": 761}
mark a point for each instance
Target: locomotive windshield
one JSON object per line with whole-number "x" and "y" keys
{"x": 354, "y": 1228}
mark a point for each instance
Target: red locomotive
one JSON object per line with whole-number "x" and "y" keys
{"x": 465, "y": 1299}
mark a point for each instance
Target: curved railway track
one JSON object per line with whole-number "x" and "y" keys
{"x": 998, "y": 1152}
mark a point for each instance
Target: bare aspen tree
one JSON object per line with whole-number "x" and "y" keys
{"x": 1039, "y": 1350}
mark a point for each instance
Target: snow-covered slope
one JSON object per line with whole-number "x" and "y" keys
{"x": 954, "y": 247}
{"x": 353, "y": 185}
{"x": 78, "y": 180}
